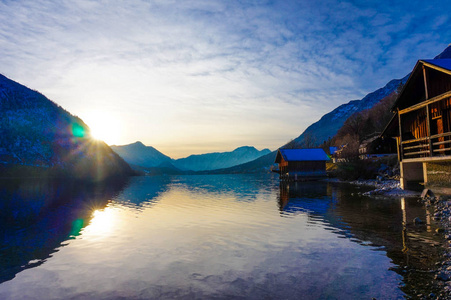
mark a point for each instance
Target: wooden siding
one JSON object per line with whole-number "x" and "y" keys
{"x": 414, "y": 125}
{"x": 305, "y": 166}
{"x": 301, "y": 170}
{"x": 423, "y": 138}
{"x": 301, "y": 166}
{"x": 437, "y": 82}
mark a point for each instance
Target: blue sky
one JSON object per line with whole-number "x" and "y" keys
{"x": 201, "y": 76}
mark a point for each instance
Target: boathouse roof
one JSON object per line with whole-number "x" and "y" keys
{"x": 311, "y": 154}
{"x": 414, "y": 87}
{"x": 332, "y": 150}
{"x": 444, "y": 63}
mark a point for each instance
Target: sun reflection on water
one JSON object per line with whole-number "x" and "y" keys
{"x": 102, "y": 224}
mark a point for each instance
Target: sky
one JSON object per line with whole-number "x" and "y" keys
{"x": 191, "y": 77}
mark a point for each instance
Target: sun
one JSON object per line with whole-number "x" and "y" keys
{"x": 103, "y": 127}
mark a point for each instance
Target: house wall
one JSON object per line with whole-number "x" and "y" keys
{"x": 438, "y": 82}
{"x": 283, "y": 166}
{"x": 441, "y": 110}
{"x": 414, "y": 125}
{"x": 305, "y": 166}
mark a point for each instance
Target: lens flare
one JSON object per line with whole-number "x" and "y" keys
{"x": 78, "y": 130}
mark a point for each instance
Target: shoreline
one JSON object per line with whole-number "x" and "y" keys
{"x": 438, "y": 207}
{"x": 387, "y": 187}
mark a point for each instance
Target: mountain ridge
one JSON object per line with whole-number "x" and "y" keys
{"x": 219, "y": 160}
{"x": 139, "y": 155}
{"x": 329, "y": 124}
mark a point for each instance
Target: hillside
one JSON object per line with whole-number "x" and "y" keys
{"x": 38, "y": 137}
{"x": 140, "y": 155}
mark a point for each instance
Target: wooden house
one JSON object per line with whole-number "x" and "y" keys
{"x": 422, "y": 120}
{"x": 377, "y": 147}
{"x": 301, "y": 164}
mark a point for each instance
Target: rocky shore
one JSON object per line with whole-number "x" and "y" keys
{"x": 385, "y": 187}
{"x": 438, "y": 207}
{"x": 382, "y": 187}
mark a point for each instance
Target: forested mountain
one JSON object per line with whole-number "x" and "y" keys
{"x": 327, "y": 127}
{"x": 38, "y": 135}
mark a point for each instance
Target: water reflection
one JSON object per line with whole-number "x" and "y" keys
{"x": 383, "y": 223}
{"x": 312, "y": 198}
{"x": 38, "y": 216}
{"x": 224, "y": 236}
{"x": 143, "y": 192}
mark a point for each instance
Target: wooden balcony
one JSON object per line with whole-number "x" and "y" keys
{"x": 434, "y": 148}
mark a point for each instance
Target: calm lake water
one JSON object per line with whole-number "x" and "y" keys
{"x": 210, "y": 237}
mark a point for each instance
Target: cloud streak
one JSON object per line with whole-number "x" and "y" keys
{"x": 214, "y": 73}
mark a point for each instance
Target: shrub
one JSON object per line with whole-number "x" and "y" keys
{"x": 357, "y": 169}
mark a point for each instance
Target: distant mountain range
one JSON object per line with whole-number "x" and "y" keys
{"x": 139, "y": 155}
{"x": 38, "y": 137}
{"x": 219, "y": 160}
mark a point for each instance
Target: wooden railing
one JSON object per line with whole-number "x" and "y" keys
{"x": 416, "y": 148}
{"x": 441, "y": 144}
{"x": 436, "y": 145}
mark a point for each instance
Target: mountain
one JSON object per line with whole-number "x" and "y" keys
{"x": 219, "y": 160}
{"x": 140, "y": 155}
{"x": 445, "y": 54}
{"x": 329, "y": 124}
{"x": 149, "y": 159}
{"x": 38, "y": 137}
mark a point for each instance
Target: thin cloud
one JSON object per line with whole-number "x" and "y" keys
{"x": 176, "y": 67}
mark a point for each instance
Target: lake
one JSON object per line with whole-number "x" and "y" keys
{"x": 211, "y": 237}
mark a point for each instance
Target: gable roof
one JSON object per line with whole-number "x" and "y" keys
{"x": 443, "y": 64}
{"x": 415, "y": 83}
{"x": 332, "y": 150}
{"x": 312, "y": 154}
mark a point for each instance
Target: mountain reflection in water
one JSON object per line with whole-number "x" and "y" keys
{"x": 218, "y": 236}
{"x": 38, "y": 216}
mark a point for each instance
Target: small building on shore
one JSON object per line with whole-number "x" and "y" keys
{"x": 376, "y": 147}
{"x": 301, "y": 164}
{"x": 422, "y": 121}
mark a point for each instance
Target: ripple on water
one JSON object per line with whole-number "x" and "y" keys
{"x": 218, "y": 237}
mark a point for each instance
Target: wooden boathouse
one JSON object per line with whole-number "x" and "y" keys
{"x": 301, "y": 164}
{"x": 422, "y": 120}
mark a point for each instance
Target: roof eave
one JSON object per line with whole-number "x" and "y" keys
{"x": 395, "y": 105}
{"x": 438, "y": 68}
{"x": 389, "y": 126}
